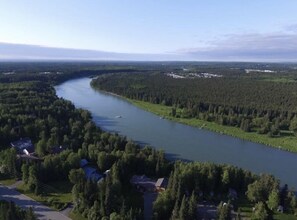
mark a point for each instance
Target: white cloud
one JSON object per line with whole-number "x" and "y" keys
{"x": 32, "y": 52}
{"x": 280, "y": 46}
{"x": 274, "y": 47}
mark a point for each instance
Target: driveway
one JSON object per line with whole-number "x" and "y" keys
{"x": 149, "y": 198}
{"x": 42, "y": 212}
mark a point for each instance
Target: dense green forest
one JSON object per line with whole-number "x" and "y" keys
{"x": 252, "y": 105}
{"x": 30, "y": 108}
{"x": 9, "y": 211}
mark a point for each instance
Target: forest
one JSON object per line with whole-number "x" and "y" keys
{"x": 30, "y": 108}
{"x": 264, "y": 107}
{"x": 9, "y": 211}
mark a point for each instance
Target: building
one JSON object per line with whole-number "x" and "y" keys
{"x": 23, "y": 146}
{"x": 29, "y": 158}
{"x": 232, "y": 194}
{"x": 90, "y": 172}
{"x": 161, "y": 184}
{"x": 57, "y": 149}
{"x": 143, "y": 183}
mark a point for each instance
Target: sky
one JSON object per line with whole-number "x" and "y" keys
{"x": 229, "y": 30}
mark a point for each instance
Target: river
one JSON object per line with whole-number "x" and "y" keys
{"x": 177, "y": 140}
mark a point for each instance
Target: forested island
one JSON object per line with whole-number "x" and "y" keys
{"x": 68, "y": 144}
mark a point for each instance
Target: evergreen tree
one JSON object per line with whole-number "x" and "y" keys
{"x": 33, "y": 179}
{"x": 41, "y": 147}
{"x": 290, "y": 202}
{"x": 192, "y": 207}
{"x": 94, "y": 212}
{"x": 273, "y": 200}
{"x": 260, "y": 212}
{"x": 183, "y": 211}
{"x": 175, "y": 211}
{"x": 30, "y": 214}
{"x": 25, "y": 173}
{"x": 224, "y": 211}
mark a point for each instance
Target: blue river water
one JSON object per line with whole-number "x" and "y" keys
{"x": 115, "y": 114}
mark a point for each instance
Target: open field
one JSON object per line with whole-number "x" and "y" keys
{"x": 56, "y": 195}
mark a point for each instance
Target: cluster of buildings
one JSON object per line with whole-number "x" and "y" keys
{"x": 193, "y": 75}
{"x": 259, "y": 71}
{"x": 25, "y": 149}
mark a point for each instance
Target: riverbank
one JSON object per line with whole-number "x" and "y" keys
{"x": 287, "y": 143}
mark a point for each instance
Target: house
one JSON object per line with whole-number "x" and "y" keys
{"x": 232, "y": 194}
{"x": 29, "y": 158}
{"x": 90, "y": 172}
{"x": 161, "y": 184}
{"x": 280, "y": 209}
{"x": 57, "y": 149}
{"x": 143, "y": 183}
{"x": 83, "y": 163}
{"x": 23, "y": 146}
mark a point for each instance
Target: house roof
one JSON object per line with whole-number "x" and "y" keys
{"x": 136, "y": 179}
{"x": 29, "y": 157}
{"x": 92, "y": 174}
{"x": 161, "y": 182}
{"x": 83, "y": 163}
{"x": 57, "y": 149}
{"x": 23, "y": 144}
{"x": 143, "y": 181}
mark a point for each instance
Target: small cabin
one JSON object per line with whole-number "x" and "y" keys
{"x": 90, "y": 172}
{"x": 143, "y": 183}
{"x": 23, "y": 146}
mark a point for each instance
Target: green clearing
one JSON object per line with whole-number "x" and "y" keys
{"x": 76, "y": 216}
{"x": 281, "y": 216}
{"x": 7, "y": 182}
{"x": 284, "y": 142}
{"x": 56, "y": 195}
{"x": 246, "y": 208}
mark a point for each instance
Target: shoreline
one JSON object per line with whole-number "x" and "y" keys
{"x": 285, "y": 143}
{"x": 162, "y": 111}
{"x": 212, "y": 126}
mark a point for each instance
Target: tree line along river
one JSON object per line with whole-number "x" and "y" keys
{"x": 178, "y": 141}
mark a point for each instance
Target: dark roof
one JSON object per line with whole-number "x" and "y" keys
{"x": 162, "y": 182}
{"x": 143, "y": 181}
{"x": 92, "y": 174}
{"x": 57, "y": 149}
{"x": 29, "y": 157}
{"x": 23, "y": 144}
{"x": 83, "y": 163}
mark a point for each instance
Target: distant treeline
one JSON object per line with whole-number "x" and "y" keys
{"x": 252, "y": 105}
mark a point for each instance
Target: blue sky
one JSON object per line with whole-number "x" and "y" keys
{"x": 179, "y": 29}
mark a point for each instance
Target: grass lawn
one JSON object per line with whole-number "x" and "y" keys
{"x": 7, "y": 182}
{"x": 55, "y": 194}
{"x": 281, "y": 216}
{"x": 76, "y": 216}
{"x": 246, "y": 211}
{"x": 245, "y": 207}
{"x": 284, "y": 142}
